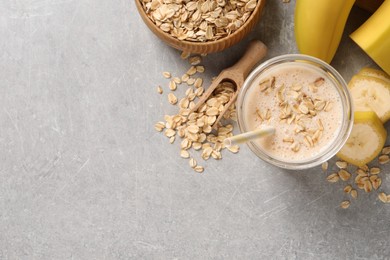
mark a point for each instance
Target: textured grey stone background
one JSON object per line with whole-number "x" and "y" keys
{"x": 84, "y": 175}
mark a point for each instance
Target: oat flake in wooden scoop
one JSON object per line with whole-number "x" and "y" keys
{"x": 235, "y": 74}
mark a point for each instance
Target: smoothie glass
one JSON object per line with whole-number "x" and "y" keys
{"x": 343, "y": 126}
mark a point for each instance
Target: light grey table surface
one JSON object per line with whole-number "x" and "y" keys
{"x": 84, "y": 175}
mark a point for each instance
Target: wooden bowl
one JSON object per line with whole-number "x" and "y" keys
{"x": 204, "y": 47}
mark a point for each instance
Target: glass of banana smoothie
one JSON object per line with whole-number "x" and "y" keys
{"x": 306, "y": 101}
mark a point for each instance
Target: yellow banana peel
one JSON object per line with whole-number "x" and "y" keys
{"x": 319, "y": 25}
{"x": 374, "y": 36}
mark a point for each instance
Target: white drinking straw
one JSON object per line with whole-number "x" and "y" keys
{"x": 245, "y": 137}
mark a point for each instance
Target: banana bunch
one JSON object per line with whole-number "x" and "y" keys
{"x": 319, "y": 26}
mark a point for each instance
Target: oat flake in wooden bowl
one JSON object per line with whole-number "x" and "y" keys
{"x": 200, "y": 26}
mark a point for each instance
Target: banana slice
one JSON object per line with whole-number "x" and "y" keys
{"x": 371, "y": 94}
{"x": 366, "y": 140}
{"x": 380, "y": 74}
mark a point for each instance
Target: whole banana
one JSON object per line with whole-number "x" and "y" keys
{"x": 319, "y": 26}
{"x": 374, "y": 36}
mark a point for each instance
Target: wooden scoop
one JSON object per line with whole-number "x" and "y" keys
{"x": 235, "y": 74}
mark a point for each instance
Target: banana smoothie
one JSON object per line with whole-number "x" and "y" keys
{"x": 304, "y": 106}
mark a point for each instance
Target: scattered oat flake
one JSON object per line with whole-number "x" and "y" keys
{"x": 200, "y": 69}
{"x": 159, "y": 90}
{"x": 199, "y": 91}
{"x": 195, "y": 60}
{"x": 334, "y": 177}
{"x": 383, "y": 159}
{"x": 361, "y": 172}
{"x": 325, "y": 166}
{"x": 185, "y": 77}
{"x": 170, "y": 132}
{"x": 354, "y": 193}
{"x": 373, "y": 178}
{"x": 177, "y": 80}
{"x": 367, "y": 186}
{"x": 341, "y": 164}
{"x": 191, "y": 71}
{"x": 234, "y": 148}
{"x": 192, "y": 163}
{"x": 345, "y": 204}
{"x": 386, "y": 150}
{"x": 184, "y": 154}
{"x": 172, "y": 85}
{"x": 383, "y": 197}
{"x": 198, "y": 82}
{"x": 348, "y": 189}
{"x": 190, "y": 81}
{"x": 375, "y": 170}
{"x": 159, "y": 126}
{"x": 344, "y": 175}
{"x": 377, "y": 183}
{"x": 199, "y": 168}
{"x": 172, "y": 99}
{"x": 167, "y": 75}
{"x": 207, "y": 153}
{"x": 184, "y": 55}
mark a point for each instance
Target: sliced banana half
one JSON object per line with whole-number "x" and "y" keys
{"x": 371, "y": 94}
{"x": 366, "y": 140}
